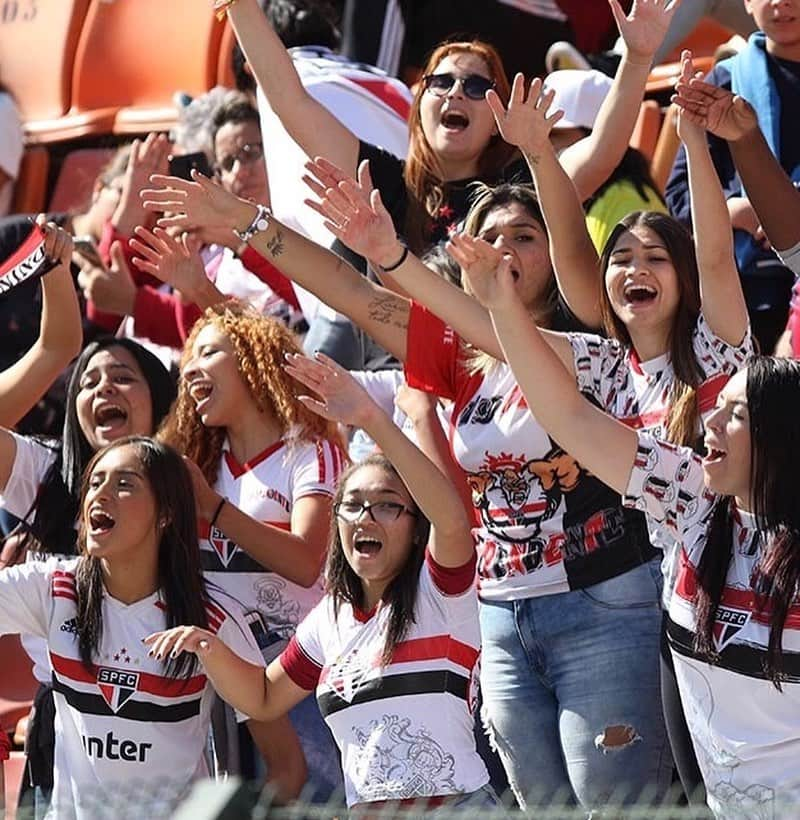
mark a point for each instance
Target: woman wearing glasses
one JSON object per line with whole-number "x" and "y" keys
{"x": 391, "y": 649}
{"x": 265, "y": 469}
{"x": 453, "y": 140}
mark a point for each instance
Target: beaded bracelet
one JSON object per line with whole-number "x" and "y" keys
{"x": 221, "y": 7}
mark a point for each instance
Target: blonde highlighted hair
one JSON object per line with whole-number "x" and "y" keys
{"x": 260, "y": 343}
{"x": 423, "y": 175}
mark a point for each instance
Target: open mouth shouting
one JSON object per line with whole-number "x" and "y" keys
{"x": 200, "y": 392}
{"x": 454, "y": 121}
{"x": 110, "y": 419}
{"x": 714, "y": 455}
{"x": 366, "y": 545}
{"x": 639, "y": 294}
{"x": 100, "y": 522}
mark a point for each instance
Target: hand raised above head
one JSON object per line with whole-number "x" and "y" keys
{"x": 643, "y": 30}
{"x": 353, "y": 210}
{"x": 526, "y": 122}
{"x": 341, "y": 397}
{"x": 174, "y": 260}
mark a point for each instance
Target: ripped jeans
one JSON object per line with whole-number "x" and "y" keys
{"x": 571, "y": 694}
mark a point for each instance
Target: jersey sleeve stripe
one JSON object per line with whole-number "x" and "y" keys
{"x": 299, "y": 667}
{"x": 452, "y": 580}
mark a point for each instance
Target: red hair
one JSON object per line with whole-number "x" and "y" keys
{"x": 423, "y": 175}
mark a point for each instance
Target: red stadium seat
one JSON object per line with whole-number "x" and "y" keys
{"x": 73, "y": 188}
{"x": 17, "y": 684}
{"x": 31, "y": 185}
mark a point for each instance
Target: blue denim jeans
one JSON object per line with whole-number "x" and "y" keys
{"x": 570, "y": 688}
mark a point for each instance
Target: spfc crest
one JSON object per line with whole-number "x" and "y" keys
{"x": 224, "y": 547}
{"x": 117, "y": 686}
{"x": 727, "y": 624}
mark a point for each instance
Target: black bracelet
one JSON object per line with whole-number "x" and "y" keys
{"x": 217, "y": 511}
{"x": 399, "y": 262}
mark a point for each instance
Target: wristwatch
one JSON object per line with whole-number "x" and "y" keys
{"x": 260, "y": 223}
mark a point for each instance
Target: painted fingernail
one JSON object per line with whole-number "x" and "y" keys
{"x": 173, "y": 654}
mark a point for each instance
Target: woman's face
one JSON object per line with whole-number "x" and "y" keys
{"x": 515, "y": 231}
{"x": 212, "y": 377}
{"x": 457, "y": 128}
{"x": 641, "y": 281}
{"x": 113, "y": 398}
{"x": 727, "y": 464}
{"x": 120, "y": 511}
{"x": 376, "y": 549}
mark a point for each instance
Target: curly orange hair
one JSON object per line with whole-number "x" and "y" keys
{"x": 260, "y": 343}
{"x": 423, "y": 174}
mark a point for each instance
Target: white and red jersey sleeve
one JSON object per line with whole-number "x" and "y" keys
{"x": 31, "y": 462}
{"x": 432, "y": 354}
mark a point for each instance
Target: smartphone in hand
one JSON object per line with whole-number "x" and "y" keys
{"x": 86, "y": 247}
{"x": 182, "y": 165}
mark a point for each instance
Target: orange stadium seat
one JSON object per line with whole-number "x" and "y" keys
{"x": 666, "y": 149}
{"x": 647, "y": 128}
{"x": 38, "y": 39}
{"x": 703, "y": 42}
{"x": 224, "y": 67}
{"x": 133, "y": 55}
{"x": 31, "y": 185}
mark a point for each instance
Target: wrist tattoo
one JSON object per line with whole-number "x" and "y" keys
{"x": 276, "y": 245}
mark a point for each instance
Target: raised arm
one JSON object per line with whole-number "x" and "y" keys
{"x": 60, "y": 334}
{"x": 601, "y": 444}
{"x": 721, "y": 293}
{"x": 526, "y": 124}
{"x": 590, "y": 161}
{"x": 355, "y": 214}
{"x": 379, "y": 312}
{"x": 342, "y": 399}
{"x": 308, "y": 122}
{"x": 769, "y": 189}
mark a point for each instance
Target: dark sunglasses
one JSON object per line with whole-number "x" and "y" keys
{"x": 474, "y": 85}
{"x": 250, "y": 152}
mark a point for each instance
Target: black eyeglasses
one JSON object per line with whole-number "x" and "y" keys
{"x": 250, "y": 152}
{"x": 381, "y": 512}
{"x": 475, "y": 86}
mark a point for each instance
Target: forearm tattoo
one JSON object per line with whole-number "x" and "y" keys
{"x": 389, "y": 309}
{"x": 275, "y": 245}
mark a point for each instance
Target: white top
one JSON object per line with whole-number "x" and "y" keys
{"x": 637, "y": 393}
{"x": 745, "y": 732}
{"x": 267, "y": 488}
{"x": 122, "y": 720}
{"x": 544, "y": 525}
{"x": 791, "y": 258}
{"x": 370, "y": 103}
{"x": 404, "y": 730}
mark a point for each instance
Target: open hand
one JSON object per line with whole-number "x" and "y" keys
{"x": 196, "y": 204}
{"x": 174, "y": 260}
{"x": 726, "y": 115}
{"x": 148, "y": 156}
{"x": 341, "y": 397}
{"x": 353, "y": 210}
{"x": 525, "y": 123}
{"x": 487, "y": 271}
{"x": 643, "y": 30}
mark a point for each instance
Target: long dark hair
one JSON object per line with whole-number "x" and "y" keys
{"x": 344, "y": 586}
{"x": 633, "y": 168}
{"x": 773, "y": 396}
{"x": 180, "y": 576}
{"x": 683, "y": 418}
{"x": 56, "y": 504}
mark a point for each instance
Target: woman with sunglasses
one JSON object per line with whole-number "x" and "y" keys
{"x": 453, "y": 140}
{"x": 391, "y": 649}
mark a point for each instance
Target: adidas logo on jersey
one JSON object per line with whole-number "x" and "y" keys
{"x": 70, "y": 625}
{"x": 117, "y": 686}
{"x": 727, "y": 624}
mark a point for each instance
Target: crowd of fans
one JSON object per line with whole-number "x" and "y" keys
{"x": 427, "y": 401}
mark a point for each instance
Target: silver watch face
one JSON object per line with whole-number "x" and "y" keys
{"x": 262, "y": 224}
